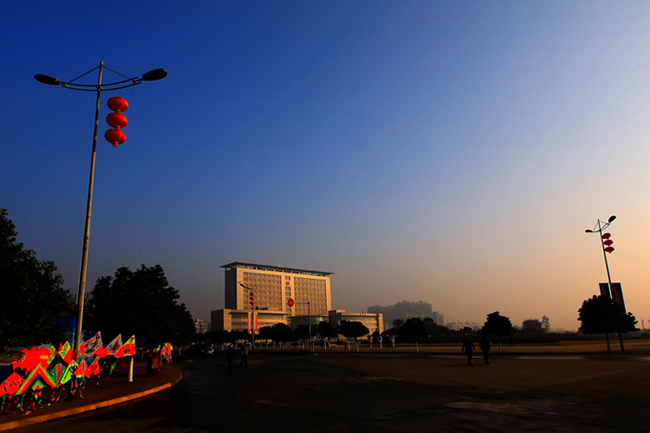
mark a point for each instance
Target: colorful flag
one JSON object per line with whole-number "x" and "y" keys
{"x": 37, "y": 379}
{"x": 65, "y": 352}
{"x": 89, "y": 347}
{"x": 128, "y": 349}
{"x": 11, "y": 384}
{"x": 114, "y": 345}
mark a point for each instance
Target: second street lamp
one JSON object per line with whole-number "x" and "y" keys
{"x": 154, "y": 75}
{"x": 605, "y": 243}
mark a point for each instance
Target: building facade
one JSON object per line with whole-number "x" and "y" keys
{"x": 239, "y": 319}
{"x": 272, "y": 286}
{"x": 373, "y": 321}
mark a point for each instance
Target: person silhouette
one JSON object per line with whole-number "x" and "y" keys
{"x": 468, "y": 348}
{"x": 484, "y": 345}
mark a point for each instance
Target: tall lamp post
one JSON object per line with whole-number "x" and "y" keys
{"x": 252, "y": 302}
{"x": 605, "y": 243}
{"x": 154, "y": 75}
{"x": 291, "y": 303}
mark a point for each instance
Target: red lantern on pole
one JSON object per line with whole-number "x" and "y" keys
{"x": 116, "y": 120}
{"x": 607, "y": 243}
{"x": 252, "y": 298}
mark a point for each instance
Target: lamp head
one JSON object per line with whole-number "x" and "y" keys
{"x": 46, "y": 79}
{"x": 155, "y": 75}
{"x": 589, "y": 231}
{"x": 612, "y": 218}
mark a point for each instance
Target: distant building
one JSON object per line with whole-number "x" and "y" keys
{"x": 272, "y": 286}
{"x": 459, "y": 326}
{"x": 405, "y": 310}
{"x": 200, "y": 326}
{"x": 374, "y": 322}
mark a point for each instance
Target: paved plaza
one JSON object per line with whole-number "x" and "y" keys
{"x": 390, "y": 392}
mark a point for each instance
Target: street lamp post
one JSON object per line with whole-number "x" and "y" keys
{"x": 154, "y": 75}
{"x": 602, "y": 225}
{"x": 252, "y": 292}
{"x": 309, "y": 320}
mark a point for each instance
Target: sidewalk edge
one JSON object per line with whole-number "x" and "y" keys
{"x": 77, "y": 410}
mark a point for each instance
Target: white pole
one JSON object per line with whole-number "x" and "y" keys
{"x": 131, "y": 371}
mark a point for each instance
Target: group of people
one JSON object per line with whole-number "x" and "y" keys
{"x": 468, "y": 348}
{"x": 230, "y": 351}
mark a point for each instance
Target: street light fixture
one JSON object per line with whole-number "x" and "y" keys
{"x": 605, "y": 243}
{"x": 154, "y": 75}
{"x": 252, "y": 295}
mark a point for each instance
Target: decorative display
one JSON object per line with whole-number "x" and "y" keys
{"x": 116, "y": 120}
{"x": 25, "y": 374}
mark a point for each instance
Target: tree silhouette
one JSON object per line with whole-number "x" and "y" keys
{"x": 498, "y": 325}
{"x": 31, "y": 293}
{"x": 352, "y": 329}
{"x": 140, "y": 303}
{"x": 602, "y": 315}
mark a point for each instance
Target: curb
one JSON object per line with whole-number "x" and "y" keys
{"x": 77, "y": 410}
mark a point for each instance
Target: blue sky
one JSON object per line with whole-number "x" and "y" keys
{"x": 452, "y": 152}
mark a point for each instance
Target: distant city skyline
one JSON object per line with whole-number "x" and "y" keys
{"x": 447, "y": 151}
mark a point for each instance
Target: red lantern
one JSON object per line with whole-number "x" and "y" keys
{"x": 117, "y": 103}
{"x": 116, "y": 120}
{"x": 252, "y": 298}
{"x": 115, "y": 136}
{"x": 607, "y": 243}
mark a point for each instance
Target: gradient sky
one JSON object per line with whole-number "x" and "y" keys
{"x": 451, "y": 152}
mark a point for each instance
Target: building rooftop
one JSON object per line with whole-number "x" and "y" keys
{"x": 276, "y": 269}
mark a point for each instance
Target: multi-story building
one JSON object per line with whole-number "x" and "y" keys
{"x": 272, "y": 286}
{"x": 374, "y": 322}
{"x": 200, "y": 326}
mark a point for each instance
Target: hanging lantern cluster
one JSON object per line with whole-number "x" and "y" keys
{"x": 607, "y": 242}
{"x": 116, "y": 120}
{"x": 252, "y": 298}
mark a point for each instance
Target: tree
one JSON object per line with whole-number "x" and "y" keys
{"x": 352, "y": 329}
{"x": 302, "y": 331}
{"x": 326, "y": 330}
{"x": 532, "y": 326}
{"x": 414, "y": 328}
{"x": 31, "y": 293}
{"x": 546, "y": 324}
{"x": 602, "y": 315}
{"x": 140, "y": 303}
{"x": 281, "y": 332}
{"x": 498, "y": 325}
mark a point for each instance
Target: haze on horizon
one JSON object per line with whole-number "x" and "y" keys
{"x": 453, "y": 152}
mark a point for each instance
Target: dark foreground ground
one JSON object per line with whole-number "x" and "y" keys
{"x": 349, "y": 392}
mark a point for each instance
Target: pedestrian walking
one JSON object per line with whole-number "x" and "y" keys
{"x": 244, "y": 356}
{"x": 468, "y": 348}
{"x": 484, "y": 345}
{"x": 230, "y": 356}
